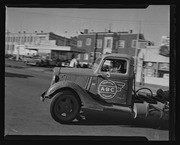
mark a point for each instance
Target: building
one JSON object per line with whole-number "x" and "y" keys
{"x": 153, "y": 68}
{"x": 40, "y": 44}
{"x": 108, "y": 42}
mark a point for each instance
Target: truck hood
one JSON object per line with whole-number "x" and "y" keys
{"x": 74, "y": 71}
{"x": 79, "y": 76}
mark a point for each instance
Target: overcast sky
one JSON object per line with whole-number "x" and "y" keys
{"x": 153, "y": 22}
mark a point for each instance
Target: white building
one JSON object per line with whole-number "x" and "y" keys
{"x": 40, "y": 44}
{"x": 152, "y": 68}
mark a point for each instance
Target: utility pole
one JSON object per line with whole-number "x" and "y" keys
{"x": 137, "y": 46}
{"x": 95, "y": 48}
{"x": 136, "y": 50}
{"x": 110, "y": 27}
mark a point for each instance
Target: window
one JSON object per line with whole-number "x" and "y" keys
{"x": 13, "y": 39}
{"x": 134, "y": 42}
{"x": 98, "y": 60}
{"x": 86, "y": 55}
{"x": 121, "y": 44}
{"x": 108, "y": 42}
{"x": 12, "y": 48}
{"x": 42, "y": 38}
{"x": 114, "y": 66}
{"x": 78, "y": 56}
{"x": 22, "y": 39}
{"x": 142, "y": 44}
{"x": 92, "y": 55}
{"x": 88, "y": 41}
{"x": 97, "y": 55}
{"x": 35, "y": 39}
{"x": 79, "y": 43}
{"x": 28, "y": 39}
{"x": 31, "y": 40}
{"x": 16, "y": 39}
{"x": 99, "y": 43}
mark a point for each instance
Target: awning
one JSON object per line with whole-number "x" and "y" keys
{"x": 57, "y": 48}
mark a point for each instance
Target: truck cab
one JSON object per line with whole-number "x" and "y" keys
{"x": 113, "y": 79}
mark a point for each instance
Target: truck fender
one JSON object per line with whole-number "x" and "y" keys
{"x": 86, "y": 99}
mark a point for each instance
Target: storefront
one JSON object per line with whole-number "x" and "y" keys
{"x": 58, "y": 52}
{"x": 152, "y": 67}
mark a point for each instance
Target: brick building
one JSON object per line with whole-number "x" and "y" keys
{"x": 108, "y": 42}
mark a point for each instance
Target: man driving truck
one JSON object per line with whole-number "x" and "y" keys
{"x": 118, "y": 67}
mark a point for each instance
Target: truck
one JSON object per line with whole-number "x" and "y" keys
{"x": 109, "y": 85}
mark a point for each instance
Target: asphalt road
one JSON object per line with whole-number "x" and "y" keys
{"x": 25, "y": 114}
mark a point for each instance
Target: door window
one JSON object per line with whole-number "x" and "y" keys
{"x": 114, "y": 66}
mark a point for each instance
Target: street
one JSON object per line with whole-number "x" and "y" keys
{"x": 25, "y": 114}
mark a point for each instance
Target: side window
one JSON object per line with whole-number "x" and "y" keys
{"x": 121, "y": 43}
{"x": 78, "y": 56}
{"x": 88, "y": 41}
{"x": 86, "y": 56}
{"x": 99, "y": 43}
{"x": 114, "y": 66}
{"x": 108, "y": 44}
{"x": 134, "y": 43}
{"x": 79, "y": 43}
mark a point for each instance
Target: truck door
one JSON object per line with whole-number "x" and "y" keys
{"x": 114, "y": 84}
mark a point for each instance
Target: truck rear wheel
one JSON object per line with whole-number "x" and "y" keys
{"x": 64, "y": 107}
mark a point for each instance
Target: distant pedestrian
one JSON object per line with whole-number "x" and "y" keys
{"x": 73, "y": 62}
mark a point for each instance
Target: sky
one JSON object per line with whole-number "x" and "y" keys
{"x": 153, "y": 22}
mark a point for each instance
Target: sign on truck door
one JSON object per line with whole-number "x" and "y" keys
{"x": 113, "y": 81}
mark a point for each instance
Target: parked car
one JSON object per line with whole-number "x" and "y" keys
{"x": 25, "y": 58}
{"x": 65, "y": 63}
{"x": 8, "y": 56}
{"x": 12, "y": 58}
{"x": 37, "y": 61}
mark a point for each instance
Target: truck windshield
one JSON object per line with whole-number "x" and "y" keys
{"x": 98, "y": 60}
{"x": 96, "y": 64}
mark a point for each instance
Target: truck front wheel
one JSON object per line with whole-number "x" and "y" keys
{"x": 65, "y": 107}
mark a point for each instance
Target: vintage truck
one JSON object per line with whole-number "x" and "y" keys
{"x": 109, "y": 85}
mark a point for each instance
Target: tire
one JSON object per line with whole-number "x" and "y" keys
{"x": 65, "y": 107}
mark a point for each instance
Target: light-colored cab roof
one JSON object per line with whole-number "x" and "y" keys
{"x": 117, "y": 55}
